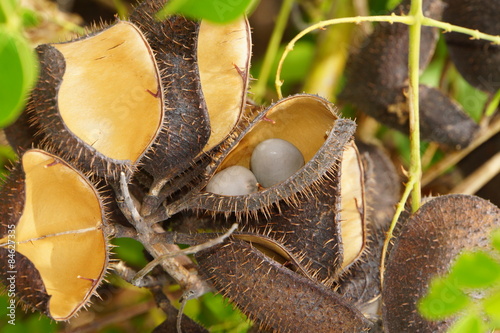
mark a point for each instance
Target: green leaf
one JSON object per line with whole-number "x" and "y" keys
{"x": 475, "y": 270}
{"x": 443, "y": 299}
{"x": 18, "y": 66}
{"x": 491, "y": 306}
{"x": 219, "y": 11}
{"x": 130, "y": 251}
{"x": 495, "y": 239}
{"x": 471, "y": 323}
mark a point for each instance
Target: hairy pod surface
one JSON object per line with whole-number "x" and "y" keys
{"x": 428, "y": 243}
{"x": 93, "y": 92}
{"x": 477, "y": 60}
{"x": 51, "y": 234}
{"x": 309, "y": 212}
{"x": 287, "y": 302}
{"x": 377, "y": 76}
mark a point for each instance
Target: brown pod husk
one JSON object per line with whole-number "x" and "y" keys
{"x": 361, "y": 283}
{"x": 381, "y": 64}
{"x": 223, "y": 54}
{"x": 52, "y": 221}
{"x": 377, "y": 84}
{"x": 427, "y": 245}
{"x": 214, "y": 66}
{"x": 21, "y": 135}
{"x": 276, "y": 298}
{"x": 93, "y": 92}
{"x": 477, "y": 60}
{"x": 306, "y": 212}
{"x": 186, "y": 125}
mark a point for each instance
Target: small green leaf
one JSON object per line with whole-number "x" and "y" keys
{"x": 18, "y": 66}
{"x": 495, "y": 239}
{"x": 471, "y": 323}
{"x": 491, "y": 306}
{"x": 475, "y": 270}
{"x": 443, "y": 299}
{"x": 219, "y": 11}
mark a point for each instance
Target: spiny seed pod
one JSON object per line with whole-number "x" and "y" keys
{"x": 377, "y": 77}
{"x": 309, "y": 212}
{"x": 477, "y": 60}
{"x": 276, "y": 298}
{"x": 361, "y": 283}
{"x": 54, "y": 252}
{"x": 93, "y": 92}
{"x": 205, "y": 72}
{"x": 428, "y": 243}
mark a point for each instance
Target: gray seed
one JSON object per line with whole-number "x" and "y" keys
{"x": 235, "y": 180}
{"x": 274, "y": 160}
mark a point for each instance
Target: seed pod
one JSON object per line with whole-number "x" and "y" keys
{"x": 377, "y": 77}
{"x": 276, "y": 298}
{"x": 205, "y": 74}
{"x": 51, "y": 235}
{"x": 93, "y": 92}
{"x": 306, "y": 212}
{"x": 477, "y": 60}
{"x": 428, "y": 243}
{"x": 361, "y": 283}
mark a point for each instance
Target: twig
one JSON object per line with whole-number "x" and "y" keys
{"x": 479, "y": 177}
{"x": 188, "y": 280}
{"x": 190, "y": 250}
{"x": 452, "y": 159}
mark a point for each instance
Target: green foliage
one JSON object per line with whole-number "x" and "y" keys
{"x": 475, "y": 270}
{"x": 455, "y": 294}
{"x": 18, "y": 63}
{"x": 130, "y": 251}
{"x": 443, "y": 299}
{"x": 219, "y": 316}
{"x": 219, "y": 11}
{"x": 471, "y": 323}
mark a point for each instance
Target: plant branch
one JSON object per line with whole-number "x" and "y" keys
{"x": 479, "y": 177}
{"x": 452, "y": 159}
{"x": 413, "y": 101}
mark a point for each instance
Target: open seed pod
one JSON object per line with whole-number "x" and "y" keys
{"x": 54, "y": 252}
{"x": 276, "y": 298}
{"x": 361, "y": 283}
{"x": 427, "y": 244}
{"x": 305, "y": 212}
{"x": 477, "y": 60}
{"x": 205, "y": 74}
{"x": 93, "y": 93}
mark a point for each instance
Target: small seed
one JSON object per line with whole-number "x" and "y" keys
{"x": 235, "y": 180}
{"x": 274, "y": 160}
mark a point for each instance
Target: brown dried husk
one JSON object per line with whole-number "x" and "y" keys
{"x": 55, "y": 218}
{"x": 92, "y": 93}
{"x": 426, "y": 246}
{"x": 276, "y": 298}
